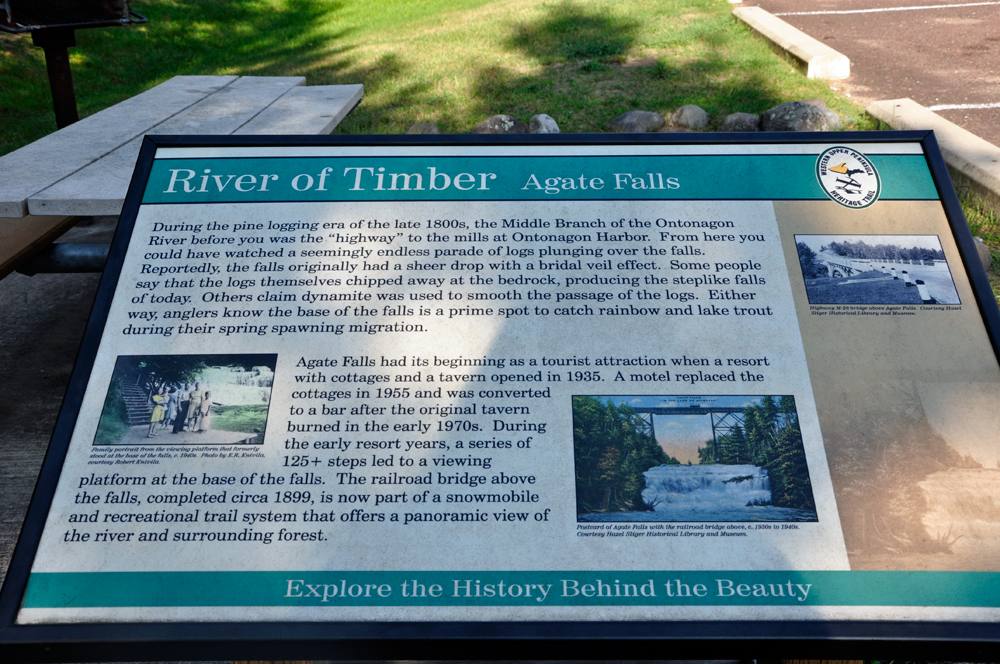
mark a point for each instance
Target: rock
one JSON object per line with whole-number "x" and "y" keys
{"x": 690, "y": 116}
{"x": 424, "y": 128}
{"x": 741, "y": 122}
{"x": 984, "y": 253}
{"x": 799, "y": 116}
{"x": 500, "y": 124}
{"x": 637, "y": 122}
{"x": 543, "y": 124}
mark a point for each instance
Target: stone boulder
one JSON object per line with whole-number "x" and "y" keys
{"x": 424, "y": 128}
{"x": 741, "y": 122}
{"x": 799, "y": 116}
{"x": 543, "y": 124}
{"x": 500, "y": 124}
{"x": 690, "y": 116}
{"x": 637, "y": 122}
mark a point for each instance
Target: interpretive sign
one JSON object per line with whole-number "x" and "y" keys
{"x": 572, "y": 388}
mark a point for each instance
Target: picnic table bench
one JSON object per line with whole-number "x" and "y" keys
{"x": 84, "y": 170}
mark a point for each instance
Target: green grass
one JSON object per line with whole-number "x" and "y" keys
{"x": 245, "y": 419}
{"x": 114, "y": 417}
{"x": 454, "y": 62}
{"x": 111, "y": 431}
{"x": 984, "y": 222}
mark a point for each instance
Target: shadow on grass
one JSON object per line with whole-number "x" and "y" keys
{"x": 382, "y": 82}
{"x": 187, "y": 37}
{"x": 203, "y": 37}
{"x": 573, "y": 64}
{"x": 587, "y": 75}
{"x": 569, "y": 32}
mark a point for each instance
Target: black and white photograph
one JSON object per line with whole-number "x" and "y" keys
{"x": 690, "y": 459}
{"x": 187, "y": 400}
{"x": 875, "y": 269}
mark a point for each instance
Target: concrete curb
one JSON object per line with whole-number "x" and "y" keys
{"x": 971, "y": 160}
{"x": 821, "y": 61}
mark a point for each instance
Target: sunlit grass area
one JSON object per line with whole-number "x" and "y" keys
{"x": 984, "y": 222}
{"x": 454, "y": 62}
{"x": 983, "y": 219}
{"x": 246, "y": 419}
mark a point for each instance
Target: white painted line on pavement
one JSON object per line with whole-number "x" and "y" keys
{"x": 887, "y": 9}
{"x": 961, "y": 107}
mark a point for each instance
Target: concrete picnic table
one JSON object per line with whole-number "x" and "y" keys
{"x": 84, "y": 170}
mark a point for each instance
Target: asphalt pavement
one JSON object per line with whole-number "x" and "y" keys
{"x": 42, "y": 319}
{"x": 940, "y": 53}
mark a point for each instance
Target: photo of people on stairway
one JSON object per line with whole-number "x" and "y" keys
{"x": 187, "y": 400}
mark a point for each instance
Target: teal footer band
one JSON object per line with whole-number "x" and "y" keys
{"x": 298, "y": 588}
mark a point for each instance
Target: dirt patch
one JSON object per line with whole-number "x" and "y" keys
{"x": 639, "y": 63}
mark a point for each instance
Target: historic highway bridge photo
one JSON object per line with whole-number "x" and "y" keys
{"x": 842, "y": 269}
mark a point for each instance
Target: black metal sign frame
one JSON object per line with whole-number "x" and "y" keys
{"x": 469, "y": 640}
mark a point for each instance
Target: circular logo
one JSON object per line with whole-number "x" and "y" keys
{"x": 848, "y": 177}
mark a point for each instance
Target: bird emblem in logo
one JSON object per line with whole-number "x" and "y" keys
{"x": 848, "y": 177}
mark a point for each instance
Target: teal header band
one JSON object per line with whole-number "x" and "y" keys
{"x": 708, "y": 177}
{"x": 297, "y": 588}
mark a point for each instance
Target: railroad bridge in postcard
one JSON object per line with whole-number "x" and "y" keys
{"x": 724, "y": 418}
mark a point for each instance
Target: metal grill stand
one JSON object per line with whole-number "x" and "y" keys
{"x": 52, "y": 24}
{"x": 56, "y": 43}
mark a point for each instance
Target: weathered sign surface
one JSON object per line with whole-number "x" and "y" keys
{"x": 529, "y": 382}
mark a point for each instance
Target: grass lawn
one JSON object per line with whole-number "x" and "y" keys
{"x": 111, "y": 431}
{"x": 114, "y": 417}
{"x": 984, "y": 221}
{"x": 454, "y": 62}
{"x": 245, "y": 419}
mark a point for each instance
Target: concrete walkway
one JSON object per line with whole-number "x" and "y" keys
{"x": 40, "y": 333}
{"x": 940, "y": 58}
